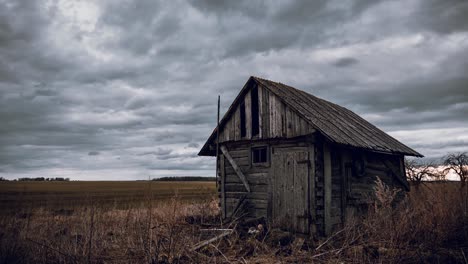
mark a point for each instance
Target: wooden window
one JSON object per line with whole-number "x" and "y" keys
{"x": 259, "y": 155}
{"x": 255, "y": 112}
{"x": 242, "y": 120}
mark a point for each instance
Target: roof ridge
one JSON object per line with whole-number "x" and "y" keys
{"x": 370, "y": 131}
{"x": 337, "y": 123}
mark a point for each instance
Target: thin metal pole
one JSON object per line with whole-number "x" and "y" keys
{"x": 217, "y": 143}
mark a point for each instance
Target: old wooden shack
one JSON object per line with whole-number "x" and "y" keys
{"x": 303, "y": 163}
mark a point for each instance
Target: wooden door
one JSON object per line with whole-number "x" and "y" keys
{"x": 290, "y": 189}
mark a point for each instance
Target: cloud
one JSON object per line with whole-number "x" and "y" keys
{"x": 158, "y": 152}
{"x": 193, "y": 145}
{"x": 443, "y": 17}
{"x": 345, "y": 62}
{"x": 93, "y": 153}
{"x": 138, "y": 81}
{"x": 45, "y": 92}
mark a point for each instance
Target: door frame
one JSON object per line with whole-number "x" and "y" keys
{"x": 309, "y": 207}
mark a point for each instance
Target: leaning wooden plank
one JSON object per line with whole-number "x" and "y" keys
{"x": 238, "y": 205}
{"x": 396, "y": 173}
{"x": 211, "y": 240}
{"x": 235, "y": 167}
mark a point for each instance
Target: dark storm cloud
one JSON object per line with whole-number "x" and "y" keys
{"x": 45, "y": 92}
{"x": 136, "y": 82}
{"x": 263, "y": 27}
{"x": 443, "y": 16}
{"x": 345, "y": 62}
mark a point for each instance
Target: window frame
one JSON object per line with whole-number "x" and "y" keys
{"x": 260, "y": 164}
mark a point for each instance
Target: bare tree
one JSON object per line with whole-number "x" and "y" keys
{"x": 417, "y": 172}
{"x": 458, "y": 162}
{"x": 439, "y": 175}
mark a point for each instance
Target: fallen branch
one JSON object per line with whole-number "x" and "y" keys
{"x": 211, "y": 240}
{"x": 328, "y": 239}
{"x": 216, "y": 229}
{"x": 220, "y": 253}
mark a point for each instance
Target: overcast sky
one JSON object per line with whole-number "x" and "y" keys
{"x": 112, "y": 89}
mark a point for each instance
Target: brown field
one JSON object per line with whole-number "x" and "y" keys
{"x": 135, "y": 222}
{"x": 116, "y": 194}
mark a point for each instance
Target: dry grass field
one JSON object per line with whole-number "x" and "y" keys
{"x": 26, "y": 195}
{"x": 132, "y": 222}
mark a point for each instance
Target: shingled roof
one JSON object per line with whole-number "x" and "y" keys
{"x": 336, "y": 123}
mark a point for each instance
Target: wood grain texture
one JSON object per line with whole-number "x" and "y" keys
{"x": 235, "y": 167}
{"x": 327, "y": 189}
{"x": 223, "y": 184}
{"x": 290, "y": 191}
{"x": 248, "y": 115}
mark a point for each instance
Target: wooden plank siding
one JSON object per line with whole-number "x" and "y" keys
{"x": 257, "y": 178}
{"x": 276, "y": 120}
{"x": 248, "y": 115}
{"x": 236, "y": 168}
{"x": 336, "y": 189}
{"x": 290, "y": 181}
{"x": 327, "y": 189}
{"x": 361, "y": 187}
{"x": 319, "y": 190}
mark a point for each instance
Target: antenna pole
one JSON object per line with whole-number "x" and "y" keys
{"x": 217, "y": 143}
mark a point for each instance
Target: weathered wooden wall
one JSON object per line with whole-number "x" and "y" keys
{"x": 276, "y": 120}
{"x": 336, "y": 188}
{"x": 319, "y": 212}
{"x": 328, "y": 188}
{"x": 348, "y": 191}
{"x": 361, "y": 187}
{"x": 260, "y": 177}
{"x": 256, "y": 201}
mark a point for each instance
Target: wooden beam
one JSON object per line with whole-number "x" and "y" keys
{"x": 396, "y": 174}
{"x": 223, "y": 186}
{"x": 217, "y": 143}
{"x": 235, "y": 167}
{"x": 327, "y": 188}
{"x": 311, "y": 186}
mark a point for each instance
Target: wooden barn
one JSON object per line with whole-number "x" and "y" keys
{"x": 303, "y": 163}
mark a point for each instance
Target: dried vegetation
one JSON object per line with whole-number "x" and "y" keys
{"x": 429, "y": 226}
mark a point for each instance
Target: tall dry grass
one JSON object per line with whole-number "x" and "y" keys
{"x": 154, "y": 234}
{"x": 430, "y": 225}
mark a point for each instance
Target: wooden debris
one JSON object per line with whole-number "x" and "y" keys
{"x": 226, "y": 232}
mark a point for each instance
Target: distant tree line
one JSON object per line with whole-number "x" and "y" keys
{"x": 37, "y": 179}
{"x": 419, "y": 171}
{"x": 185, "y": 178}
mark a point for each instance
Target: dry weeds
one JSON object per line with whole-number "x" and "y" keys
{"x": 429, "y": 226}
